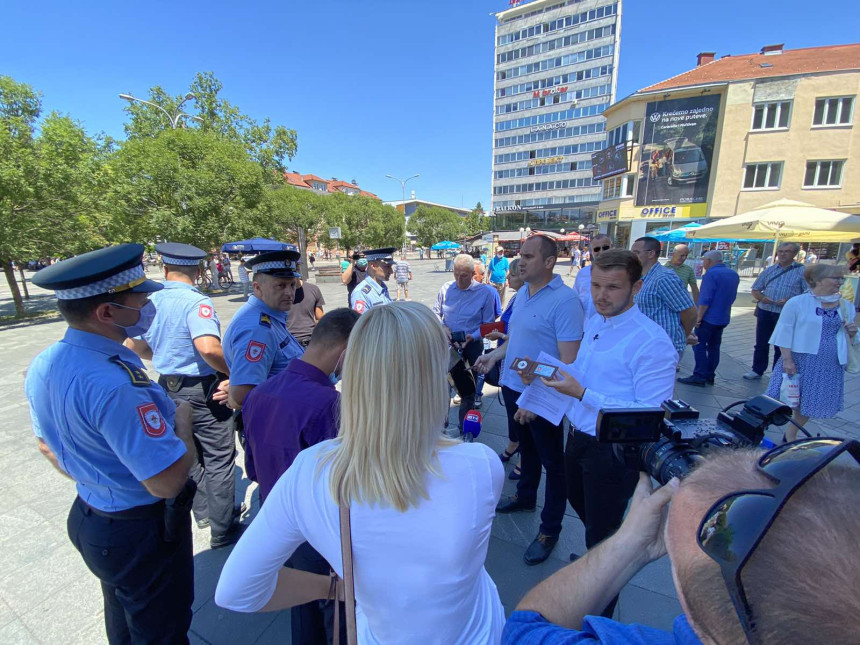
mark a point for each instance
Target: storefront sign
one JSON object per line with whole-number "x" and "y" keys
{"x": 669, "y": 212}
{"x": 607, "y": 215}
{"x": 556, "y": 90}
{"x": 548, "y": 126}
{"x": 545, "y": 161}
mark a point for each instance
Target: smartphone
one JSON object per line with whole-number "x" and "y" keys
{"x": 544, "y": 370}
{"x": 488, "y": 328}
{"x": 458, "y": 337}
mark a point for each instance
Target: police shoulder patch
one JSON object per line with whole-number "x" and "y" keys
{"x": 138, "y": 377}
{"x": 365, "y": 289}
{"x": 265, "y": 320}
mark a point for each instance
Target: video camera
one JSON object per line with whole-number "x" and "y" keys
{"x": 671, "y": 440}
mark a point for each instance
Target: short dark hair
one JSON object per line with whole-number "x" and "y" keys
{"x": 189, "y": 271}
{"x": 75, "y": 312}
{"x": 620, "y": 259}
{"x": 650, "y": 243}
{"x": 548, "y": 246}
{"x": 335, "y": 327}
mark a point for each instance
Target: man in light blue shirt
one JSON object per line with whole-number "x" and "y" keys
{"x": 184, "y": 344}
{"x": 372, "y": 291}
{"x": 498, "y": 273}
{"x": 547, "y": 317}
{"x": 463, "y": 305}
{"x": 257, "y": 344}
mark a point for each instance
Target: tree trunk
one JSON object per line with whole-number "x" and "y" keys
{"x": 303, "y": 254}
{"x": 23, "y": 281}
{"x": 13, "y": 287}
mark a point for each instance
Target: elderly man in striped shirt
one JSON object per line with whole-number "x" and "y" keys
{"x": 663, "y": 297}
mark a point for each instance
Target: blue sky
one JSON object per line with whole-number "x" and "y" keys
{"x": 373, "y": 88}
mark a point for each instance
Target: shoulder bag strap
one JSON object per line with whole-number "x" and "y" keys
{"x": 348, "y": 580}
{"x": 780, "y": 274}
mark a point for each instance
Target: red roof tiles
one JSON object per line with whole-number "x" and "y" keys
{"x": 749, "y": 66}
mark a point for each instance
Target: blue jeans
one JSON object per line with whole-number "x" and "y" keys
{"x": 707, "y": 352}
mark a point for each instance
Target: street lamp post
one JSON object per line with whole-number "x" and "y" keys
{"x": 402, "y": 187}
{"x": 173, "y": 119}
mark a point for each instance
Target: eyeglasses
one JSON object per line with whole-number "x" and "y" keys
{"x": 600, "y": 248}
{"x": 735, "y": 525}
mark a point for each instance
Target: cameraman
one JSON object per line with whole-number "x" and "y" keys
{"x": 353, "y": 274}
{"x": 799, "y": 584}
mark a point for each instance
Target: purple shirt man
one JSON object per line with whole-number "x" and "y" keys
{"x": 284, "y": 415}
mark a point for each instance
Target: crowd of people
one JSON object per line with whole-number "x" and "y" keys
{"x": 368, "y": 497}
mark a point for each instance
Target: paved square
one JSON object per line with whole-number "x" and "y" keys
{"x": 47, "y": 595}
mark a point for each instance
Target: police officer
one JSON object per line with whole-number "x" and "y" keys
{"x": 257, "y": 344}
{"x": 372, "y": 290}
{"x": 184, "y": 345}
{"x": 100, "y": 421}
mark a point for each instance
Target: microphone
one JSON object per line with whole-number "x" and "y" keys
{"x": 471, "y": 425}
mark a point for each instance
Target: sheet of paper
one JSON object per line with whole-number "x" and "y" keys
{"x": 545, "y": 401}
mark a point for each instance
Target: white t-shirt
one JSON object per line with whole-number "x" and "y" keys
{"x": 419, "y": 574}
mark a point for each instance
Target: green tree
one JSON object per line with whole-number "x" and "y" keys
{"x": 50, "y": 175}
{"x": 431, "y": 224}
{"x": 476, "y": 222}
{"x": 185, "y": 185}
{"x": 364, "y": 221}
{"x": 270, "y": 146}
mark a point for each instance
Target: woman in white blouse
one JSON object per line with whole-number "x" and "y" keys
{"x": 813, "y": 334}
{"x": 421, "y": 505}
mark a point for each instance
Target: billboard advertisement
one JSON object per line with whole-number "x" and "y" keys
{"x": 677, "y": 151}
{"x": 610, "y": 161}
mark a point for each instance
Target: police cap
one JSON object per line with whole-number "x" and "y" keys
{"x": 381, "y": 255}
{"x": 280, "y": 264}
{"x": 179, "y": 254}
{"x": 114, "y": 269}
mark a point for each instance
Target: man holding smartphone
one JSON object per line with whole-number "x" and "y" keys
{"x": 463, "y": 305}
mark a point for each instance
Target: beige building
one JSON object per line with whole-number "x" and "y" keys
{"x": 733, "y": 134}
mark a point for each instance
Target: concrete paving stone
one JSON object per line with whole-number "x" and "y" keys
{"x": 33, "y": 583}
{"x": 6, "y": 614}
{"x": 18, "y": 519}
{"x": 73, "y": 609}
{"x": 94, "y": 634}
{"x": 656, "y": 577}
{"x": 278, "y": 632}
{"x": 218, "y": 625}
{"x": 638, "y": 605}
{"x": 16, "y": 633}
{"x": 514, "y": 578}
{"x": 207, "y": 570}
{"x": 196, "y": 639}
{"x": 29, "y": 547}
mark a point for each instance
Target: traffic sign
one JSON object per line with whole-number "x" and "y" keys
{"x": 334, "y": 232}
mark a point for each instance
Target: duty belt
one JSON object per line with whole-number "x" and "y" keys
{"x": 144, "y": 512}
{"x": 176, "y": 382}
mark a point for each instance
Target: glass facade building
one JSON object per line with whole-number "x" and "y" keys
{"x": 555, "y": 73}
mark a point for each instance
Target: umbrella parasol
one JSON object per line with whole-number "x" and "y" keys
{"x": 444, "y": 246}
{"x": 256, "y": 245}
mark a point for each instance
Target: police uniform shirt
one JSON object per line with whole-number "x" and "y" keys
{"x": 109, "y": 426}
{"x": 257, "y": 344}
{"x": 182, "y": 314}
{"x": 368, "y": 294}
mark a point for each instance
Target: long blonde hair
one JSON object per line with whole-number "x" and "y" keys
{"x": 393, "y": 405}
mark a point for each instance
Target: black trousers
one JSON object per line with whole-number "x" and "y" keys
{"x": 216, "y": 453}
{"x": 599, "y": 486}
{"x": 541, "y": 445}
{"x": 313, "y": 623}
{"x": 147, "y": 583}
{"x": 765, "y": 323}
{"x": 471, "y": 353}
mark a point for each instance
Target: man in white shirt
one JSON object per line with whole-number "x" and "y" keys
{"x": 626, "y": 360}
{"x": 582, "y": 284}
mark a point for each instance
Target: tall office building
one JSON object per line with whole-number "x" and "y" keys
{"x": 555, "y": 73}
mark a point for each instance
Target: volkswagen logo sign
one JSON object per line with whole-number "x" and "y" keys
{"x": 655, "y": 117}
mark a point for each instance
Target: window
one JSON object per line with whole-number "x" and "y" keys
{"x": 771, "y": 116}
{"x": 834, "y": 111}
{"x": 618, "y": 187}
{"x": 762, "y": 176}
{"x": 823, "y": 174}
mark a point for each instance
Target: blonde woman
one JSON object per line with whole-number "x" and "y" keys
{"x": 421, "y": 505}
{"x": 813, "y": 333}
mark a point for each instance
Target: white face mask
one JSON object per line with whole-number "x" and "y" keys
{"x": 833, "y": 297}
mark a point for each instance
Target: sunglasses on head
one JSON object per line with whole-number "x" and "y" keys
{"x": 600, "y": 248}
{"x": 735, "y": 524}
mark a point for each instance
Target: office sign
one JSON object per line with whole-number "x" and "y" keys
{"x": 611, "y": 161}
{"x": 677, "y": 151}
{"x": 549, "y": 126}
{"x": 545, "y": 161}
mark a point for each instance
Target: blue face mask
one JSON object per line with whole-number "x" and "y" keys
{"x": 144, "y": 322}
{"x": 334, "y": 377}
